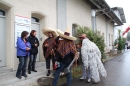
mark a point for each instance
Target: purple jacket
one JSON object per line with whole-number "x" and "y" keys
{"x": 21, "y": 47}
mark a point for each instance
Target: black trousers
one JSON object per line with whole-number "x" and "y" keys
{"x": 48, "y": 59}
{"x": 32, "y": 61}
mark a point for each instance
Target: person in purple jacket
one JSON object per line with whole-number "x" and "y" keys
{"x": 23, "y": 48}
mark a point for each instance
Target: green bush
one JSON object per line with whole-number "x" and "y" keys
{"x": 121, "y": 41}
{"x": 94, "y": 37}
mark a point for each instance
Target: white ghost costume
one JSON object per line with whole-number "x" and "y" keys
{"x": 91, "y": 57}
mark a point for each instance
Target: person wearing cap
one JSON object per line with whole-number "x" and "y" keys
{"x": 49, "y": 47}
{"x": 66, "y": 52}
{"x": 91, "y": 57}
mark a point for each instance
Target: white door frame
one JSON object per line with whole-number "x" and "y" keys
{"x": 4, "y": 58}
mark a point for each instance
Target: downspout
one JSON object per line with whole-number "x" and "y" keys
{"x": 93, "y": 14}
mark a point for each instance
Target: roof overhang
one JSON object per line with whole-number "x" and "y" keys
{"x": 121, "y": 11}
{"x": 101, "y": 4}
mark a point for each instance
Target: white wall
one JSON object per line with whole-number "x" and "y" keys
{"x": 101, "y": 25}
{"x": 79, "y": 12}
{"x": 46, "y": 8}
{"x": 111, "y": 32}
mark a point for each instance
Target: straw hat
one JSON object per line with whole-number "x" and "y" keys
{"x": 48, "y": 29}
{"x": 66, "y": 34}
{"x": 82, "y": 36}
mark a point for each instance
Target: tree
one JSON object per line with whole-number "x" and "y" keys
{"x": 120, "y": 41}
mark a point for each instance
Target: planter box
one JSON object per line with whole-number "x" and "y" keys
{"x": 113, "y": 51}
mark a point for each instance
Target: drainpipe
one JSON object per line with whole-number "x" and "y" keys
{"x": 93, "y": 14}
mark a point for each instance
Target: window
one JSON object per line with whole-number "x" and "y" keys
{"x": 74, "y": 26}
{"x": 2, "y": 13}
{"x": 112, "y": 40}
{"x": 73, "y": 31}
{"x": 103, "y": 35}
{"x": 98, "y": 32}
{"x": 109, "y": 40}
{"x": 34, "y": 19}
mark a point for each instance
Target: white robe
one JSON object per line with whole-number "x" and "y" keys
{"x": 91, "y": 57}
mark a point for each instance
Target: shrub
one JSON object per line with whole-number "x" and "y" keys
{"x": 121, "y": 41}
{"x": 94, "y": 37}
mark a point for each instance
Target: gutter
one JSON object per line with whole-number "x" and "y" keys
{"x": 102, "y": 4}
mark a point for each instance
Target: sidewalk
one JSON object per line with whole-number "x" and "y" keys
{"x": 9, "y": 79}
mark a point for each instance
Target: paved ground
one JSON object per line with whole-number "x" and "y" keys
{"x": 8, "y": 77}
{"x": 118, "y": 70}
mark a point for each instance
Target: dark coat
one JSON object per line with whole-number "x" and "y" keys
{"x": 33, "y": 40}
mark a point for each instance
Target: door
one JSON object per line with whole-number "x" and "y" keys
{"x": 36, "y": 26}
{"x": 2, "y": 41}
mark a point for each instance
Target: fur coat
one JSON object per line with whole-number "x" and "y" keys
{"x": 91, "y": 57}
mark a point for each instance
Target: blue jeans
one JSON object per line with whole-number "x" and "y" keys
{"x": 22, "y": 66}
{"x": 57, "y": 73}
{"x": 32, "y": 62}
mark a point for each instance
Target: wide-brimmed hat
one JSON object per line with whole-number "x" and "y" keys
{"x": 82, "y": 36}
{"x": 66, "y": 34}
{"x": 49, "y": 29}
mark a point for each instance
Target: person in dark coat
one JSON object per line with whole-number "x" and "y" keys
{"x": 23, "y": 48}
{"x": 33, "y": 52}
{"x": 49, "y": 46}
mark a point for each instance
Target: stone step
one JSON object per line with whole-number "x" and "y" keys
{"x": 39, "y": 64}
{"x": 5, "y": 70}
{"x": 27, "y": 82}
{"x": 10, "y": 78}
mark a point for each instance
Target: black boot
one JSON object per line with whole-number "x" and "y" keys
{"x": 34, "y": 70}
{"x": 19, "y": 77}
{"x": 29, "y": 71}
{"x": 48, "y": 73}
{"x": 25, "y": 75}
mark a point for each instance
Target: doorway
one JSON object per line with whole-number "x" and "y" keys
{"x": 36, "y": 26}
{"x": 2, "y": 38}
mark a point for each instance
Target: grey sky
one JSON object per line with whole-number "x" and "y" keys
{"x": 125, "y": 5}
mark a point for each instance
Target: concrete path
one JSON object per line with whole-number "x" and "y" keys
{"x": 9, "y": 79}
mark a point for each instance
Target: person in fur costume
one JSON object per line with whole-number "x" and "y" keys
{"x": 91, "y": 57}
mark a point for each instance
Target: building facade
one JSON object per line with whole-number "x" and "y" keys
{"x": 17, "y": 15}
{"x": 120, "y": 13}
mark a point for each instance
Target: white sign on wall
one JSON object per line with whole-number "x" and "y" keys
{"x": 21, "y": 24}
{"x": 22, "y": 20}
